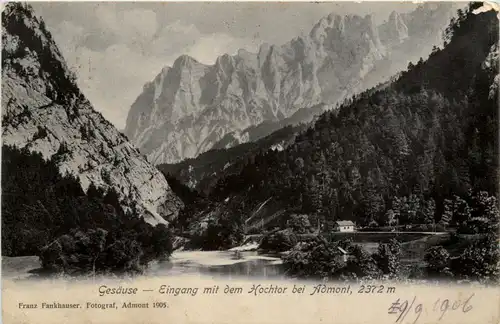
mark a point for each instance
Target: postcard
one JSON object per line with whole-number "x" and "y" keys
{"x": 250, "y": 162}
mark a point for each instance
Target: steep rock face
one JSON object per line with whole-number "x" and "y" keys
{"x": 190, "y": 108}
{"x": 491, "y": 64}
{"x": 43, "y": 110}
{"x": 395, "y": 30}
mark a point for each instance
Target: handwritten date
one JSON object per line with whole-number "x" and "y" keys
{"x": 401, "y": 308}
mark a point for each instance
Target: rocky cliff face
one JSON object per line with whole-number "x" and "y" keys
{"x": 491, "y": 64}
{"x": 395, "y": 30}
{"x": 189, "y": 108}
{"x": 43, "y": 110}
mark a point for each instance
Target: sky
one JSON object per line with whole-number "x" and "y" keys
{"x": 115, "y": 48}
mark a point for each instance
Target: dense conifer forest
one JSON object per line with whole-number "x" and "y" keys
{"x": 408, "y": 153}
{"x": 203, "y": 172}
{"x": 47, "y": 214}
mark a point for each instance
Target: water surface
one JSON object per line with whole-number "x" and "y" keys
{"x": 225, "y": 264}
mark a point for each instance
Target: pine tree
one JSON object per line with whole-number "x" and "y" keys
{"x": 447, "y": 215}
{"x": 429, "y": 211}
{"x": 461, "y": 211}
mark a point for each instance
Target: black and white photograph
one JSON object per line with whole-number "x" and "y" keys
{"x": 322, "y": 142}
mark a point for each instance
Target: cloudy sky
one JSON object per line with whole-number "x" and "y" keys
{"x": 115, "y": 48}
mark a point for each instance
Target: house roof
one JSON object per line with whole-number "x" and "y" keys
{"x": 345, "y": 223}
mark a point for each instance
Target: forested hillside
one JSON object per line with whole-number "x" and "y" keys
{"x": 402, "y": 154}
{"x": 44, "y": 110}
{"x": 49, "y": 215}
{"x": 203, "y": 172}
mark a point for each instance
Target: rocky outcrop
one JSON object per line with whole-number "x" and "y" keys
{"x": 395, "y": 30}
{"x": 43, "y": 110}
{"x": 491, "y": 64}
{"x": 189, "y": 108}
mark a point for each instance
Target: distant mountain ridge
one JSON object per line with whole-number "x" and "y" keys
{"x": 189, "y": 107}
{"x": 428, "y": 138}
{"x": 203, "y": 172}
{"x": 44, "y": 111}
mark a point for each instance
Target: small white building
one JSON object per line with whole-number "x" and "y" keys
{"x": 344, "y": 226}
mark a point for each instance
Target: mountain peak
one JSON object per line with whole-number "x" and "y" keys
{"x": 393, "y": 16}
{"x": 340, "y": 56}
{"x": 185, "y": 61}
{"x": 394, "y": 30}
{"x": 331, "y": 18}
{"x": 245, "y": 55}
{"x": 29, "y": 50}
{"x": 225, "y": 58}
{"x": 225, "y": 62}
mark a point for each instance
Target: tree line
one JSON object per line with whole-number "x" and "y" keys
{"x": 456, "y": 256}
{"x": 476, "y": 259}
{"x": 407, "y": 153}
{"x": 48, "y": 214}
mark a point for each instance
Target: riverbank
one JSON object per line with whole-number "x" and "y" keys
{"x": 179, "y": 262}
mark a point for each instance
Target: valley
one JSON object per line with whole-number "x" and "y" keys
{"x": 250, "y": 166}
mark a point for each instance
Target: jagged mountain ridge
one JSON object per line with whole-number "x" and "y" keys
{"x": 202, "y": 172}
{"x": 43, "y": 110}
{"x": 189, "y": 107}
{"x": 432, "y": 132}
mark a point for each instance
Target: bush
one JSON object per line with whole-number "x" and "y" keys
{"x": 98, "y": 250}
{"x": 475, "y": 226}
{"x": 219, "y": 234}
{"x": 479, "y": 261}
{"x": 75, "y": 252}
{"x": 388, "y": 258}
{"x": 299, "y": 224}
{"x": 318, "y": 259}
{"x": 279, "y": 240}
{"x": 438, "y": 261}
{"x": 321, "y": 259}
{"x": 361, "y": 265}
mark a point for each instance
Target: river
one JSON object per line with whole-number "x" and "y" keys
{"x": 225, "y": 264}
{"x": 222, "y": 264}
